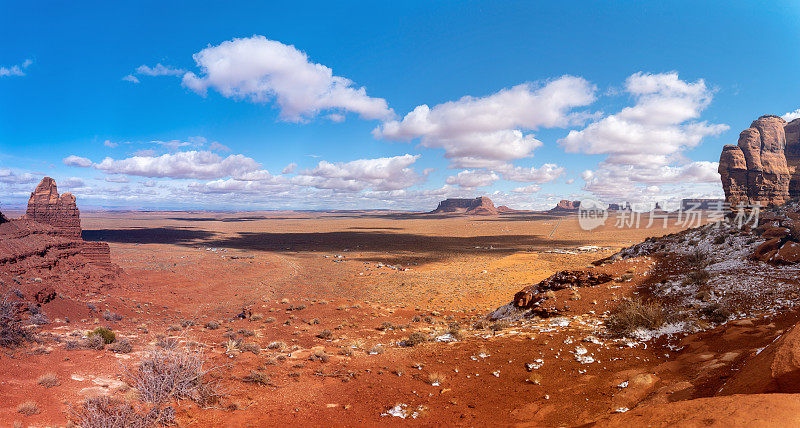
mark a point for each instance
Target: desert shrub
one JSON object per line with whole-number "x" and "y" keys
{"x": 716, "y": 313}
{"x": 187, "y": 323}
{"x": 635, "y": 314}
{"x": 250, "y": 347}
{"x": 106, "y": 334}
{"x": 174, "y": 327}
{"x": 39, "y": 319}
{"x": 212, "y": 325}
{"x": 416, "y": 318}
{"x": 325, "y": 334}
{"x": 377, "y": 349}
{"x": 428, "y": 319}
{"x": 278, "y": 344}
{"x": 94, "y": 342}
{"x": 257, "y": 317}
{"x": 246, "y": 333}
{"x": 697, "y": 259}
{"x": 386, "y": 325}
{"x": 498, "y": 326}
{"x": 12, "y": 332}
{"x": 178, "y": 373}
{"x": 454, "y": 329}
{"x": 414, "y": 339}
{"x": 314, "y": 321}
{"x": 17, "y": 292}
{"x": 48, "y": 380}
{"x": 720, "y": 239}
{"x": 122, "y": 346}
{"x": 698, "y": 277}
{"x": 111, "y": 316}
{"x": 258, "y": 378}
{"x": 28, "y": 408}
{"x": 105, "y": 412}
{"x": 230, "y": 334}
{"x": 345, "y": 351}
{"x": 269, "y": 320}
{"x": 167, "y": 342}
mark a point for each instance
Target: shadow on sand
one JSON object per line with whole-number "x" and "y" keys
{"x": 147, "y": 235}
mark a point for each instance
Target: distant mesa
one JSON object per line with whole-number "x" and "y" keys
{"x": 566, "y": 206}
{"x": 478, "y": 206}
{"x": 47, "y": 207}
{"x": 763, "y": 167}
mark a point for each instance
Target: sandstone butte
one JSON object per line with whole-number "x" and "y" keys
{"x": 478, "y": 206}
{"x": 763, "y": 167}
{"x": 48, "y": 236}
{"x": 47, "y": 207}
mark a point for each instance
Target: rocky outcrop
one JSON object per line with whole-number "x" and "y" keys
{"x": 3, "y": 218}
{"x": 566, "y": 205}
{"x": 764, "y": 166}
{"x": 533, "y": 295}
{"x": 478, "y": 206}
{"x": 46, "y": 245}
{"x": 46, "y": 206}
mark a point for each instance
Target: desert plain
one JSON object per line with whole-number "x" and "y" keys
{"x": 310, "y": 318}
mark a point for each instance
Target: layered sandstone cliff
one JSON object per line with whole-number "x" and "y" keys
{"x": 46, "y": 206}
{"x": 763, "y": 167}
{"x": 478, "y": 206}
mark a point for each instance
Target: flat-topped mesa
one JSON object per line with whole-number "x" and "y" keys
{"x": 763, "y": 167}
{"x": 60, "y": 211}
{"x": 478, "y": 206}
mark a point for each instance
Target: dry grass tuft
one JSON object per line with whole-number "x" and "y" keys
{"x": 436, "y": 378}
{"x": 48, "y": 380}
{"x": 258, "y": 378}
{"x": 635, "y": 314}
{"x": 28, "y": 408}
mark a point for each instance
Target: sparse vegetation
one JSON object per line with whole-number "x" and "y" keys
{"x": 106, "y": 334}
{"x": 377, "y": 349}
{"x": 250, "y": 347}
{"x": 635, "y": 314}
{"x": 269, "y": 320}
{"x": 279, "y": 345}
{"x": 258, "y": 378}
{"x": 122, "y": 346}
{"x": 325, "y": 334}
{"x": 716, "y": 313}
{"x": 174, "y": 327}
{"x": 28, "y": 408}
{"x": 95, "y": 342}
{"x": 246, "y": 333}
{"x": 212, "y": 325}
{"x": 48, "y": 380}
{"x": 386, "y": 325}
{"x": 414, "y": 339}
{"x": 698, "y": 277}
{"x": 105, "y": 412}
{"x": 39, "y": 319}
{"x": 12, "y": 332}
{"x": 178, "y": 373}
{"x": 187, "y": 323}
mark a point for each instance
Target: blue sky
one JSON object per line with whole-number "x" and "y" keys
{"x": 614, "y": 100}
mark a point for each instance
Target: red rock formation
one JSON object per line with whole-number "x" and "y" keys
{"x": 756, "y": 170}
{"x": 532, "y": 295}
{"x": 566, "y": 205}
{"x": 46, "y": 206}
{"x": 478, "y": 206}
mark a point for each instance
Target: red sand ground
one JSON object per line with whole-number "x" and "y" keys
{"x": 182, "y": 266}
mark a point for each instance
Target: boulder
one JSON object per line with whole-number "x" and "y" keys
{"x": 788, "y": 254}
{"x": 775, "y": 368}
{"x": 60, "y": 211}
{"x": 765, "y": 251}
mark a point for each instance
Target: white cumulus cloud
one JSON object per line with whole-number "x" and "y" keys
{"x": 479, "y": 131}
{"x": 792, "y": 115}
{"x": 471, "y": 179}
{"x": 260, "y": 70}
{"x": 191, "y": 164}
